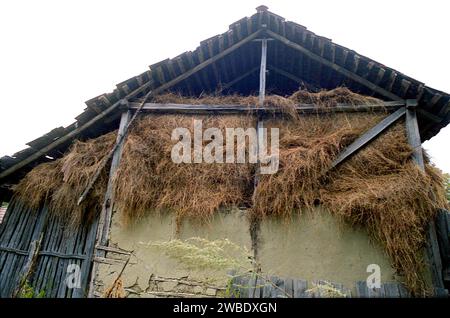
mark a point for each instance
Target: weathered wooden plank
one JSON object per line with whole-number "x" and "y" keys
{"x": 26, "y": 272}
{"x": 289, "y": 287}
{"x": 7, "y": 280}
{"x": 391, "y": 290}
{"x": 86, "y": 265}
{"x": 67, "y": 247}
{"x": 278, "y": 287}
{"x": 9, "y": 217}
{"x": 443, "y": 234}
{"x": 44, "y": 260}
{"x": 49, "y": 283}
{"x": 369, "y": 136}
{"x": 413, "y": 134}
{"x": 22, "y": 232}
{"x": 404, "y": 293}
{"x": 267, "y": 290}
{"x": 251, "y": 286}
{"x": 361, "y": 289}
{"x": 301, "y": 108}
{"x": 434, "y": 256}
{"x": 376, "y": 292}
{"x": 108, "y": 204}
{"x": 300, "y": 288}
{"x": 441, "y": 292}
{"x": 262, "y": 73}
{"x": 412, "y": 130}
{"x": 259, "y": 287}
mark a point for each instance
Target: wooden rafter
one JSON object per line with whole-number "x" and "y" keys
{"x": 334, "y": 66}
{"x": 236, "y": 80}
{"x": 292, "y": 77}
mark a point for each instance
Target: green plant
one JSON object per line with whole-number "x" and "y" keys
{"x": 201, "y": 253}
{"x": 231, "y": 291}
{"x": 326, "y": 290}
{"x": 27, "y": 291}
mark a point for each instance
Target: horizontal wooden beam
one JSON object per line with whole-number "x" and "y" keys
{"x": 334, "y": 66}
{"x": 302, "y": 108}
{"x": 370, "y": 135}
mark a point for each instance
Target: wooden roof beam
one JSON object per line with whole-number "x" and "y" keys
{"x": 237, "y": 79}
{"x": 301, "y": 108}
{"x": 206, "y": 63}
{"x": 334, "y": 66}
{"x": 294, "y": 78}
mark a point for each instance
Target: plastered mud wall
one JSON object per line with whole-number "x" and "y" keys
{"x": 310, "y": 247}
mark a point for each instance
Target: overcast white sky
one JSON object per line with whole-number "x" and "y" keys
{"x": 54, "y": 54}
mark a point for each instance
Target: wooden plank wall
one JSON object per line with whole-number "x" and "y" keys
{"x": 248, "y": 286}
{"x": 59, "y": 248}
{"x": 443, "y": 233}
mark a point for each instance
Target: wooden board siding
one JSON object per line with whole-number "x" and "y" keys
{"x": 249, "y": 286}
{"x": 59, "y": 248}
{"x": 2, "y": 214}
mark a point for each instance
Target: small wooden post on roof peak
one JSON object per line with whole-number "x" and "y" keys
{"x": 262, "y": 8}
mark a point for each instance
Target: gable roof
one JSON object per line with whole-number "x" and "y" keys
{"x": 296, "y": 57}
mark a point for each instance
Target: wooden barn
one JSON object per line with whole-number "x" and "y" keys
{"x": 353, "y": 209}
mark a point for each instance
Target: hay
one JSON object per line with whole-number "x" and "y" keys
{"x": 307, "y": 148}
{"x": 148, "y": 179}
{"x": 324, "y": 98}
{"x": 380, "y": 188}
{"x": 59, "y": 183}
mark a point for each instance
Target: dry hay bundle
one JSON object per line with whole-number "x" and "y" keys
{"x": 307, "y": 148}
{"x": 60, "y": 182}
{"x": 331, "y": 98}
{"x": 148, "y": 179}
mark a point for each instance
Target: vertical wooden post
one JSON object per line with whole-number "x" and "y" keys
{"x": 108, "y": 203}
{"x": 412, "y": 130}
{"x": 255, "y": 222}
{"x": 262, "y": 72}
{"x": 262, "y": 94}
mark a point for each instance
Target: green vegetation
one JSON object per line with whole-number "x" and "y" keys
{"x": 27, "y": 291}
{"x": 326, "y": 290}
{"x": 200, "y": 253}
